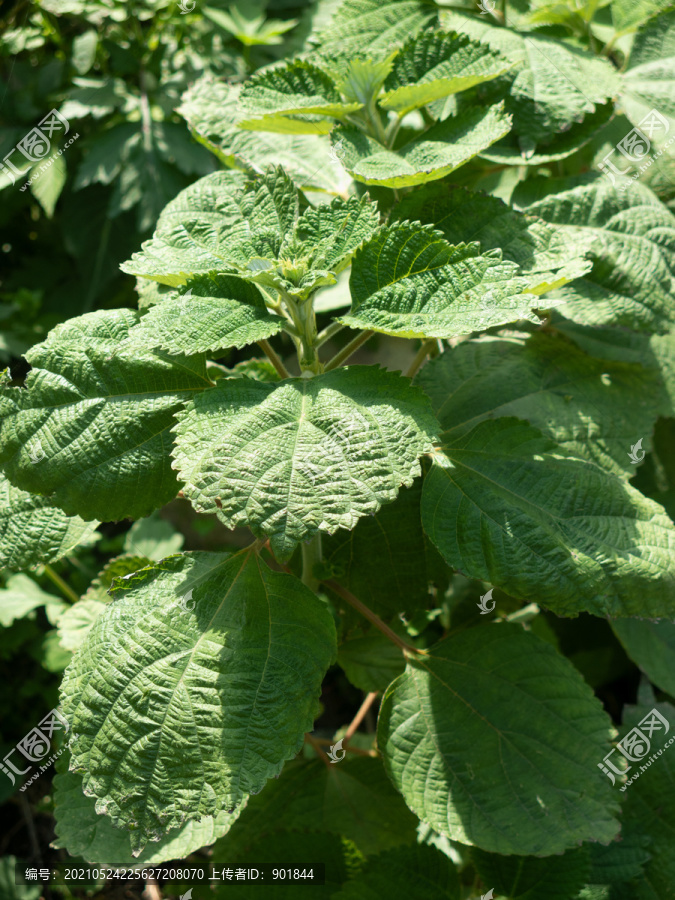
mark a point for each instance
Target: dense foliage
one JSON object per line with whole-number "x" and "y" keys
{"x": 392, "y": 415}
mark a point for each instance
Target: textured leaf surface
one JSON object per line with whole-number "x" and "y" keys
{"x": 304, "y": 455}
{"x": 535, "y": 733}
{"x": 520, "y": 150}
{"x": 649, "y": 808}
{"x": 33, "y": 530}
{"x": 218, "y": 223}
{"x": 408, "y": 281}
{"x": 298, "y": 87}
{"x": 256, "y": 231}
{"x": 82, "y": 832}
{"x": 419, "y": 870}
{"x": 177, "y": 712}
{"x": 591, "y": 408}
{"x": 98, "y": 411}
{"x": 633, "y": 277}
{"x": 374, "y": 27}
{"x": 651, "y": 645}
{"x": 548, "y": 256}
{"x": 553, "y": 84}
{"x": 212, "y": 111}
{"x": 394, "y": 536}
{"x": 355, "y": 799}
{"x": 436, "y": 64}
{"x": 503, "y": 504}
{"x": 439, "y": 151}
{"x": 531, "y": 878}
{"x": 218, "y": 311}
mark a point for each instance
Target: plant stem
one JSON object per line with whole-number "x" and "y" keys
{"x": 318, "y": 749}
{"x": 328, "y": 333}
{"x": 347, "y": 351}
{"x": 60, "y": 583}
{"x": 311, "y": 555}
{"x": 270, "y": 353}
{"x": 420, "y": 356}
{"x": 358, "y": 718}
{"x": 372, "y": 617}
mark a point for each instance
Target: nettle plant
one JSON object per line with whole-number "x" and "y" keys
{"x": 385, "y": 507}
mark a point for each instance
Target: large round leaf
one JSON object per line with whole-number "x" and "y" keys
{"x": 493, "y": 739}
{"x": 307, "y": 454}
{"x": 194, "y": 687}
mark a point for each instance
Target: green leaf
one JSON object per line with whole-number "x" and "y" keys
{"x": 213, "y": 698}
{"x": 330, "y": 233}
{"x": 646, "y": 99}
{"x": 548, "y": 256}
{"x": 154, "y": 538}
{"x": 651, "y": 645}
{"x": 33, "y": 530}
{"x": 649, "y": 808}
{"x": 531, "y": 878}
{"x": 370, "y": 661}
{"x": 212, "y": 111}
{"x": 97, "y": 411}
{"x": 303, "y": 455}
{"x": 49, "y": 181}
{"x": 21, "y": 596}
{"x": 475, "y": 734}
{"x": 409, "y": 282}
{"x": 83, "y": 832}
{"x": 520, "y": 150}
{"x": 394, "y": 536}
{"x": 84, "y": 51}
{"x": 76, "y": 623}
{"x": 200, "y": 231}
{"x": 435, "y": 65}
{"x": 374, "y": 27}
{"x": 589, "y": 407}
{"x": 627, "y": 15}
{"x": 302, "y": 849}
{"x": 553, "y": 85}
{"x": 443, "y": 148}
{"x": 298, "y": 89}
{"x": 217, "y": 312}
{"x": 354, "y": 799}
{"x": 106, "y": 153}
{"x": 254, "y": 230}
{"x": 418, "y": 870}
{"x": 11, "y": 890}
{"x": 633, "y": 275}
{"x": 505, "y": 505}
{"x": 620, "y": 861}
